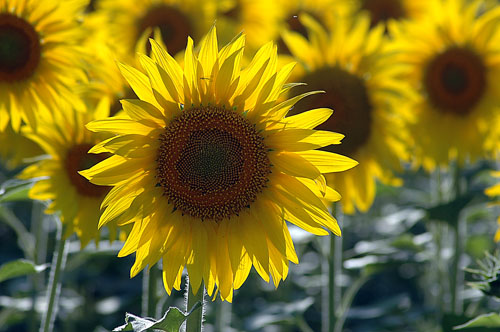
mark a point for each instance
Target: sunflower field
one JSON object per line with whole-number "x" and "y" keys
{"x": 249, "y": 165}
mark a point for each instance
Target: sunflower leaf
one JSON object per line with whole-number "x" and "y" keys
{"x": 15, "y": 190}
{"x": 487, "y": 320}
{"x": 170, "y": 322}
{"x": 19, "y": 268}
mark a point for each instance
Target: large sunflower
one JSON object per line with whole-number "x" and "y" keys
{"x": 39, "y": 57}
{"x": 66, "y": 141}
{"x": 130, "y": 22}
{"x": 452, "y": 61}
{"x": 360, "y": 79}
{"x": 208, "y": 168}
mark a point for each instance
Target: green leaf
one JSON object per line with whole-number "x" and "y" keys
{"x": 449, "y": 212}
{"x": 487, "y": 320}
{"x": 170, "y": 322}
{"x": 15, "y": 190}
{"x": 19, "y": 268}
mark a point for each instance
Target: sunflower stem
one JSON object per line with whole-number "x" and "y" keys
{"x": 438, "y": 233}
{"x": 149, "y": 287}
{"x": 37, "y": 229}
{"x": 334, "y": 271}
{"x": 54, "y": 287}
{"x": 194, "y": 322}
{"x": 459, "y": 234}
{"x": 222, "y": 315}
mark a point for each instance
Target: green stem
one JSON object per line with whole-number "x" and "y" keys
{"x": 222, "y": 315}
{"x": 25, "y": 239}
{"x": 438, "y": 231}
{"x": 37, "y": 219}
{"x": 149, "y": 290}
{"x": 194, "y": 322}
{"x": 347, "y": 301}
{"x": 459, "y": 234}
{"x": 334, "y": 271}
{"x": 54, "y": 288}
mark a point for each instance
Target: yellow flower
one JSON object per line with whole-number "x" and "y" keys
{"x": 39, "y": 57}
{"x": 360, "y": 79}
{"x": 452, "y": 61}
{"x": 494, "y": 191}
{"x": 66, "y": 141}
{"x": 208, "y": 168}
{"x": 130, "y": 23}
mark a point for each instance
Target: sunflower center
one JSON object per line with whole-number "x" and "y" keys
{"x": 19, "y": 48}
{"x": 212, "y": 163}
{"x": 77, "y": 159}
{"x": 455, "y": 80}
{"x": 383, "y": 10}
{"x": 347, "y": 95}
{"x": 172, "y": 23}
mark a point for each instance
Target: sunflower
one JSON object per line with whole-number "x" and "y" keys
{"x": 130, "y": 23}
{"x": 381, "y": 11}
{"x": 494, "y": 191}
{"x": 359, "y": 76}
{"x": 208, "y": 168}
{"x": 452, "y": 62}
{"x": 39, "y": 57}
{"x": 66, "y": 141}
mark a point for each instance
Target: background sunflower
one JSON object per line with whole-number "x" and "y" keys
{"x": 66, "y": 141}
{"x": 40, "y": 60}
{"x": 350, "y": 63}
{"x": 131, "y": 23}
{"x": 450, "y": 59}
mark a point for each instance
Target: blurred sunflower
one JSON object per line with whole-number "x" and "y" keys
{"x": 381, "y": 11}
{"x": 130, "y": 23}
{"x": 39, "y": 57}
{"x": 360, "y": 79}
{"x": 494, "y": 191}
{"x": 452, "y": 61}
{"x": 208, "y": 168}
{"x": 66, "y": 141}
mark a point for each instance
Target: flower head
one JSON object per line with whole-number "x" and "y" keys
{"x": 39, "y": 58}
{"x": 450, "y": 61}
{"x": 360, "y": 79}
{"x": 209, "y": 168}
{"x": 66, "y": 141}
